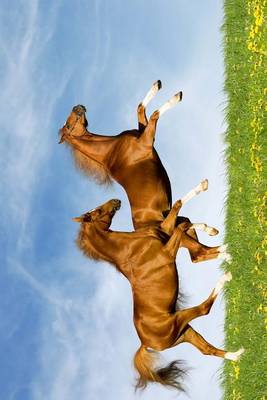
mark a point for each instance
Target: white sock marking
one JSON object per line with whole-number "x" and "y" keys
{"x": 234, "y": 356}
{"x": 205, "y": 228}
{"x": 151, "y": 93}
{"x": 225, "y": 257}
{"x": 221, "y": 282}
{"x": 201, "y": 187}
{"x": 171, "y": 103}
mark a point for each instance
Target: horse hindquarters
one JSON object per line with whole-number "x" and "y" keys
{"x": 170, "y": 375}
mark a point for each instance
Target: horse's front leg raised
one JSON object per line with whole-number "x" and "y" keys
{"x": 200, "y": 252}
{"x": 170, "y": 221}
{"x": 148, "y": 135}
{"x": 191, "y": 336}
{"x": 141, "y": 110}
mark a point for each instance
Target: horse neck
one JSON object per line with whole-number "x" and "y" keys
{"x": 92, "y": 154}
{"x": 96, "y": 147}
{"x": 101, "y": 244}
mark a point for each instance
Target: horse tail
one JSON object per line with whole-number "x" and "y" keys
{"x": 171, "y": 375}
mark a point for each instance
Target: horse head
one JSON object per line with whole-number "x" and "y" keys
{"x": 102, "y": 214}
{"x": 75, "y": 124}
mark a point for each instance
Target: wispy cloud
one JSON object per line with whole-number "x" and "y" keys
{"x": 27, "y": 105}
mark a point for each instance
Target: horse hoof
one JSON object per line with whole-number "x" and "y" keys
{"x": 212, "y": 231}
{"x": 223, "y": 248}
{"x": 204, "y": 185}
{"x": 220, "y": 284}
{"x": 158, "y": 84}
{"x": 234, "y": 356}
{"x": 225, "y": 257}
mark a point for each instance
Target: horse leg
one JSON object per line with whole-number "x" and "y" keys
{"x": 168, "y": 225}
{"x": 141, "y": 109}
{"x": 148, "y": 135}
{"x": 201, "y": 187}
{"x": 200, "y": 252}
{"x": 173, "y": 244}
{"x": 183, "y": 317}
{"x": 152, "y": 92}
{"x": 191, "y": 336}
{"x": 170, "y": 221}
{"x": 171, "y": 103}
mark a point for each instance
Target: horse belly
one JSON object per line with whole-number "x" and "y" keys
{"x": 156, "y": 291}
{"x": 148, "y": 189}
{"x": 155, "y": 298}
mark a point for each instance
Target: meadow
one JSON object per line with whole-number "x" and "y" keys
{"x": 244, "y": 31}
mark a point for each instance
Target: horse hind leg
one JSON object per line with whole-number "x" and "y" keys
{"x": 183, "y": 317}
{"x": 193, "y": 337}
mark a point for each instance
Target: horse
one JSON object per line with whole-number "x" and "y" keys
{"x": 146, "y": 257}
{"x": 130, "y": 159}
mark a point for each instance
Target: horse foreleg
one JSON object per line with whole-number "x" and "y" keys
{"x": 200, "y": 252}
{"x": 183, "y": 317}
{"x": 173, "y": 244}
{"x": 148, "y": 135}
{"x": 169, "y": 222}
{"x": 170, "y": 103}
{"x": 151, "y": 93}
{"x": 142, "y": 119}
{"x": 201, "y": 187}
{"x": 141, "y": 109}
{"x": 205, "y": 228}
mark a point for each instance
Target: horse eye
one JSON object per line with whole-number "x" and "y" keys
{"x": 87, "y": 218}
{"x": 68, "y": 126}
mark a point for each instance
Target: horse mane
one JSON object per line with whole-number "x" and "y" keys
{"x": 83, "y": 243}
{"x": 90, "y": 167}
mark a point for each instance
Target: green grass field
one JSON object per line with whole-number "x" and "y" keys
{"x": 245, "y": 40}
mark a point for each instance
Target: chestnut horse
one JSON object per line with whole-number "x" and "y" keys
{"x": 130, "y": 159}
{"x": 146, "y": 257}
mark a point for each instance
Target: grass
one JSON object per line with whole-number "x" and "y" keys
{"x": 245, "y": 38}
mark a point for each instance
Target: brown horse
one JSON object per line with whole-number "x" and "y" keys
{"x": 146, "y": 257}
{"x": 130, "y": 159}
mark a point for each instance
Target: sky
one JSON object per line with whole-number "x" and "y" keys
{"x": 66, "y": 326}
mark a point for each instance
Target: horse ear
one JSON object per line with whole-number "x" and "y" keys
{"x": 83, "y": 218}
{"x": 77, "y": 219}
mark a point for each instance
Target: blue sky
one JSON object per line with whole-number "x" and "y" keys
{"x": 66, "y": 323}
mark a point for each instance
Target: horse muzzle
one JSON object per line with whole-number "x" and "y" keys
{"x": 116, "y": 204}
{"x": 79, "y": 110}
